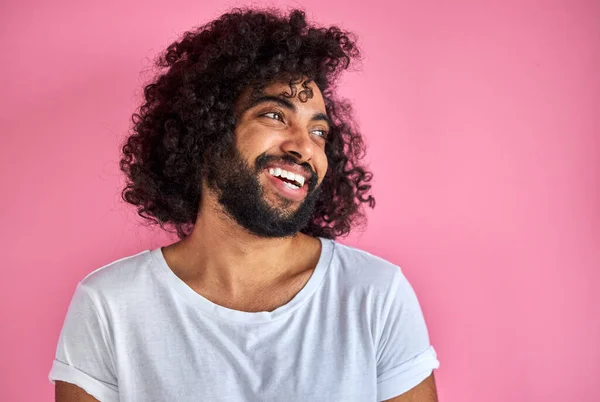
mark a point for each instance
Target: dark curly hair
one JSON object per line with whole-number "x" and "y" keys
{"x": 188, "y": 114}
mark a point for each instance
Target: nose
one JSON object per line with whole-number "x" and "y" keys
{"x": 298, "y": 144}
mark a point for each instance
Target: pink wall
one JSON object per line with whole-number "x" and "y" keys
{"x": 483, "y": 125}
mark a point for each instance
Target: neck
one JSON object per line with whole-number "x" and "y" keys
{"x": 222, "y": 254}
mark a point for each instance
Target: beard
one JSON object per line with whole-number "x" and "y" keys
{"x": 243, "y": 197}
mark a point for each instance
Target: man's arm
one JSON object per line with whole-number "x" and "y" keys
{"x": 67, "y": 392}
{"x": 424, "y": 392}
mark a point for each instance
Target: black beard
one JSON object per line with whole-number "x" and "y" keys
{"x": 243, "y": 198}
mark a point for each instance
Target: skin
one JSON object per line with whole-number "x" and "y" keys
{"x": 223, "y": 261}
{"x": 66, "y": 392}
{"x": 426, "y": 391}
{"x": 229, "y": 265}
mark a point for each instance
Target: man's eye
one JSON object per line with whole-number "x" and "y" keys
{"x": 323, "y": 133}
{"x": 277, "y": 114}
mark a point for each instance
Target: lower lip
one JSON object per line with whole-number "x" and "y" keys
{"x": 292, "y": 194}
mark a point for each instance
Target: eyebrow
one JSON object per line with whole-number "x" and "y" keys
{"x": 286, "y": 104}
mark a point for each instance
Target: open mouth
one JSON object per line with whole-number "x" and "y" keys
{"x": 291, "y": 180}
{"x": 287, "y": 184}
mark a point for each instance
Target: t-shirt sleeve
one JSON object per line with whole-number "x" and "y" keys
{"x": 405, "y": 356}
{"x": 84, "y": 355}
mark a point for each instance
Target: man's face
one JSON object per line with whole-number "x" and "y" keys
{"x": 275, "y": 137}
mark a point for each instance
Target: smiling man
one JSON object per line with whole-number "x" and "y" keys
{"x": 243, "y": 148}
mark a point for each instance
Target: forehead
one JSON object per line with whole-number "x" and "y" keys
{"x": 280, "y": 87}
{"x": 303, "y": 94}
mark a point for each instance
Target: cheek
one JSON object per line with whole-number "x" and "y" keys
{"x": 253, "y": 141}
{"x": 321, "y": 164}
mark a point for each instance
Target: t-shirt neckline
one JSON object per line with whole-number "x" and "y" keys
{"x": 228, "y": 314}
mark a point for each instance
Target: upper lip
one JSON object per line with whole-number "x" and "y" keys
{"x": 296, "y": 169}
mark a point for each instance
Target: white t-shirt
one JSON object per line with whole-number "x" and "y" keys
{"x": 134, "y": 331}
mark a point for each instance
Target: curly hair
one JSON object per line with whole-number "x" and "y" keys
{"x": 188, "y": 115}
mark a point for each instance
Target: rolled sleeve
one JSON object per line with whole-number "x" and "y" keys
{"x": 405, "y": 356}
{"x": 104, "y": 392}
{"x": 407, "y": 376}
{"x": 84, "y": 354}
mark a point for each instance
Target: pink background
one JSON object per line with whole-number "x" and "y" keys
{"x": 483, "y": 125}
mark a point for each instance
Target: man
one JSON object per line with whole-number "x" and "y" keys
{"x": 243, "y": 148}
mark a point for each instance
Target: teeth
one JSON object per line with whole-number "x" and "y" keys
{"x": 278, "y": 172}
{"x": 290, "y": 185}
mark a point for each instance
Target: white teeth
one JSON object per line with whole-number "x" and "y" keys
{"x": 278, "y": 172}
{"x": 290, "y": 185}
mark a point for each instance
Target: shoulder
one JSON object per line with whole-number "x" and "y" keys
{"x": 378, "y": 290}
{"x": 367, "y": 277}
{"x": 362, "y": 267}
{"x": 120, "y": 276}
